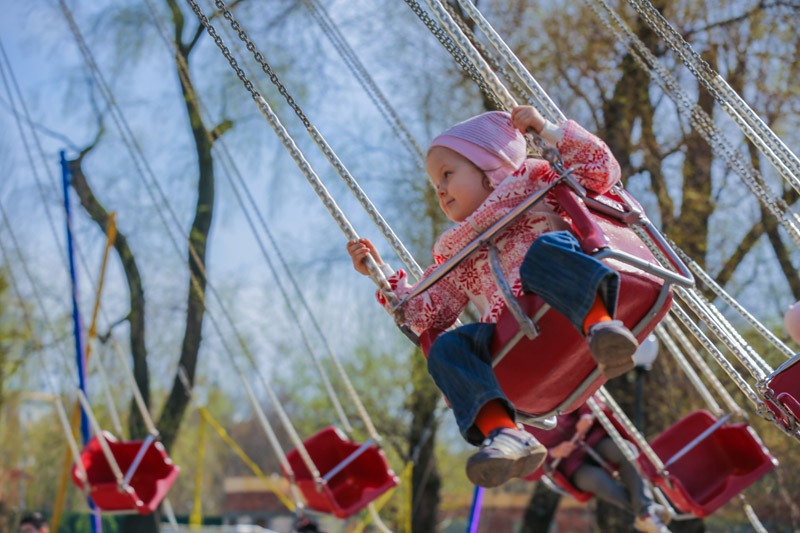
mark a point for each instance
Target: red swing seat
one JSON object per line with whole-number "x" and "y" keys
{"x": 555, "y": 372}
{"x": 147, "y": 487}
{"x": 718, "y": 468}
{"x": 782, "y": 391}
{"x": 351, "y": 489}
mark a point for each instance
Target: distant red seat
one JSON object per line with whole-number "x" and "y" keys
{"x": 555, "y": 370}
{"x": 351, "y": 489}
{"x": 721, "y": 466}
{"x": 784, "y": 389}
{"x": 147, "y": 486}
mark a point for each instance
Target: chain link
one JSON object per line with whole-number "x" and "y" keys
{"x": 782, "y": 159}
{"x": 545, "y": 104}
{"x": 493, "y": 61}
{"x": 265, "y": 66}
{"x": 699, "y": 118}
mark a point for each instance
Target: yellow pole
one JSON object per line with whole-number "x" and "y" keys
{"x": 407, "y": 508}
{"x": 66, "y": 465}
{"x": 243, "y": 456}
{"x": 196, "y": 518}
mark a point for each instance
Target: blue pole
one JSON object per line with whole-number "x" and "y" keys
{"x": 475, "y": 511}
{"x": 76, "y": 326}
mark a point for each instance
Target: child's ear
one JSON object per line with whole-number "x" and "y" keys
{"x": 487, "y": 183}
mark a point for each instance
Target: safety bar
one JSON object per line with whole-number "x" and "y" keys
{"x": 527, "y": 326}
{"x": 484, "y": 238}
{"x": 347, "y": 460}
{"x": 138, "y": 459}
{"x": 697, "y": 440}
{"x": 592, "y": 236}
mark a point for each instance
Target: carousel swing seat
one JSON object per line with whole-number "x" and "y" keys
{"x": 552, "y": 370}
{"x": 782, "y": 392}
{"x": 707, "y": 462}
{"x": 352, "y": 475}
{"x": 148, "y": 471}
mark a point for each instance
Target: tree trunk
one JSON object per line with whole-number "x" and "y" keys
{"x": 541, "y": 510}
{"x": 135, "y": 317}
{"x": 425, "y": 480}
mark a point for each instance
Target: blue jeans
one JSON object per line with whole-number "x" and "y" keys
{"x": 556, "y": 269}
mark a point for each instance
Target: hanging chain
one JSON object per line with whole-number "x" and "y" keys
{"x": 784, "y": 160}
{"x": 459, "y": 56}
{"x": 699, "y": 118}
{"x": 273, "y": 77}
{"x": 519, "y": 91}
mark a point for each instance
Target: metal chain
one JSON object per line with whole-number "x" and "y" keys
{"x": 782, "y": 159}
{"x": 459, "y": 56}
{"x": 694, "y": 378}
{"x": 673, "y": 327}
{"x": 546, "y": 105}
{"x": 754, "y": 366}
{"x": 699, "y": 118}
{"x": 493, "y": 61}
{"x": 475, "y": 58}
{"x": 632, "y": 430}
{"x": 716, "y": 354}
{"x": 257, "y": 56}
{"x": 709, "y": 282}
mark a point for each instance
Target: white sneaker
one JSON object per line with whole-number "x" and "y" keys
{"x": 650, "y": 523}
{"x": 506, "y": 453}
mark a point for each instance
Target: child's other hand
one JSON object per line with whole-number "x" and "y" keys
{"x": 563, "y": 450}
{"x": 359, "y": 250}
{"x": 526, "y": 116}
{"x": 584, "y": 424}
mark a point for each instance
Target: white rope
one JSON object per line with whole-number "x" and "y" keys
{"x": 348, "y": 55}
{"x": 134, "y": 148}
{"x": 112, "y": 408}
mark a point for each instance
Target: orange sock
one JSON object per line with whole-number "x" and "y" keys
{"x": 492, "y": 416}
{"x": 596, "y": 314}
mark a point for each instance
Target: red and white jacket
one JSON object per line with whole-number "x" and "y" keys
{"x": 593, "y": 166}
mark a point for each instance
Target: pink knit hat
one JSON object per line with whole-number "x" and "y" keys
{"x": 490, "y": 141}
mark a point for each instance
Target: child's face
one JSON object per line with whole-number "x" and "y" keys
{"x": 460, "y": 185}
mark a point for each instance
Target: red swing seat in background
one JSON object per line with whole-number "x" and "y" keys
{"x": 147, "y": 487}
{"x": 783, "y": 388}
{"x": 555, "y": 371}
{"x": 350, "y": 490}
{"x": 709, "y": 475}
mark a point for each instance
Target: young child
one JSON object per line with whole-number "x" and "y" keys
{"x": 480, "y": 172}
{"x": 568, "y": 443}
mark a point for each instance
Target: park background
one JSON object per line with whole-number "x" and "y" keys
{"x": 686, "y": 190}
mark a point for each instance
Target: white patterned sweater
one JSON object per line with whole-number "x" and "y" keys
{"x": 593, "y": 166}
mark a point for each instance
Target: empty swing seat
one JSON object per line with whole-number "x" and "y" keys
{"x": 354, "y": 486}
{"x": 147, "y": 486}
{"x": 555, "y": 371}
{"x": 718, "y": 468}
{"x": 784, "y": 388}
